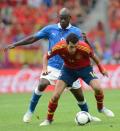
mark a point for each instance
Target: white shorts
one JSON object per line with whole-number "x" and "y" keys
{"x": 52, "y": 77}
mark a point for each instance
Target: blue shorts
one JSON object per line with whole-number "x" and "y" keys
{"x": 70, "y": 75}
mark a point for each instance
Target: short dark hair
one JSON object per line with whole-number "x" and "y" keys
{"x": 72, "y": 38}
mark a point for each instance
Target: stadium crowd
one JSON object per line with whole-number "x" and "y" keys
{"x": 19, "y": 19}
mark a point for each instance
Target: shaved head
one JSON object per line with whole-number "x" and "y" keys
{"x": 64, "y": 17}
{"x": 64, "y": 11}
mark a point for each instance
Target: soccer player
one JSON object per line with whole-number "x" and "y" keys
{"x": 76, "y": 55}
{"x": 54, "y": 33}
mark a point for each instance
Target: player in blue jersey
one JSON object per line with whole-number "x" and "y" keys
{"x": 54, "y": 33}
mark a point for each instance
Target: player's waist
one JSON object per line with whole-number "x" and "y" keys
{"x": 55, "y": 62}
{"x": 77, "y": 66}
{"x": 58, "y": 67}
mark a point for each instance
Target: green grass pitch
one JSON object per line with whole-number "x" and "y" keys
{"x": 13, "y": 106}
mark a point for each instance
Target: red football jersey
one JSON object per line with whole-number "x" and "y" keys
{"x": 80, "y": 59}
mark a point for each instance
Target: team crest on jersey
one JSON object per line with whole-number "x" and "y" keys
{"x": 78, "y": 56}
{"x": 71, "y": 60}
{"x": 62, "y": 55}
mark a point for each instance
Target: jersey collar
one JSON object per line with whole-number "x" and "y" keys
{"x": 59, "y": 26}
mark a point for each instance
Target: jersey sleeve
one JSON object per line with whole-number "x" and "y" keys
{"x": 57, "y": 49}
{"x": 91, "y": 52}
{"x": 83, "y": 46}
{"x": 54, "y": 51}
{"x": 43, "y": 33}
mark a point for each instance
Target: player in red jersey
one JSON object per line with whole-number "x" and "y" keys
{"x": 76, "y": 55}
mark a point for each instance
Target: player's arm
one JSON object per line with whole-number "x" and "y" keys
{"x": 101, "y": 68}
{"x": 26, "y": 41}
{"x": 54, "y": 51}
{"x": 86, "y": 40}
{"x": 45, "y": 63}
{"x": 30, "y": 39}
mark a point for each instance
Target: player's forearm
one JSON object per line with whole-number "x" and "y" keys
{"x": 86, "y": 40}
{"x": 101, "y": 68}
{"x": 97, "y": 61}
{"x": 45, "y": 62}
{"x": 26, "y": 41}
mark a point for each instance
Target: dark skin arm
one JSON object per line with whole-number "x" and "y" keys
{"x": 26, "y": 41}
{"x": 45, "y": 63}
{"x": 30, "y": 40}
{"x": 86, "y": 39}
{"x": 46, "y": 57}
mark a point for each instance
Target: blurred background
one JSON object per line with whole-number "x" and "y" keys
{"x": 100, "y": 19}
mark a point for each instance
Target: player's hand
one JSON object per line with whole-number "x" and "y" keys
{"x": 9, "y": 47}
{"x": 45, "y": 72}
{"x": 84, "y": 36}
{"x": 105, "y": 73}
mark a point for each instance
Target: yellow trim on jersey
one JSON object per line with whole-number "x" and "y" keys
{"x": 86, "y": 49}
{"x": 57, "y": 47}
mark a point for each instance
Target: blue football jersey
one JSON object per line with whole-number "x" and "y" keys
{"x": 54, "y": 33}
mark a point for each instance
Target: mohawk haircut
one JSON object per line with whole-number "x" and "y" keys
{"x": 72, "y": 38}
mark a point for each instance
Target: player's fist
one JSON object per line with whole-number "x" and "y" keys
{"x": 105, "y": 73}
{"x": 84, "y": 36}
{"x": 45, "y": 72}
{"x": 9, "y": 47}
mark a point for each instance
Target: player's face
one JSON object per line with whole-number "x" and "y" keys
{"x": 64, "y": 20}
{"x": 71, "y": 48}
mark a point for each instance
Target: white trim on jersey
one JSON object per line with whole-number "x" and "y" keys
{"x": 59, "y": 26}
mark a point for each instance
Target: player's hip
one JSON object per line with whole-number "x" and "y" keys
{"x": 52, "y": 76}
{"x": 70, "y": 75}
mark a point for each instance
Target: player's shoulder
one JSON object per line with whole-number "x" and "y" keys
{"x": 60, "y": 45}
{"x": 83, "y": 46}
{"x": 83, "y": 43}
{"x": 51, "y": 26}
{"x": 75, "y": 28}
